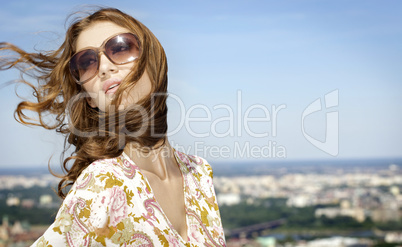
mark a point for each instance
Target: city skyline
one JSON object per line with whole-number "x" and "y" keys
{"x": 269, "y": 80}
{"x": 338, "y": 199}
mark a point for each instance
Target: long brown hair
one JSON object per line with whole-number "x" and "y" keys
{"x": 94, "y": 134}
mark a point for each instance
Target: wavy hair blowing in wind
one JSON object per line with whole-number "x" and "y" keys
{"x": 95, "y": 134}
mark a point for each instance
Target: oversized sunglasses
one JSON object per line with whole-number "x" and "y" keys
{"x": 119, "y": 49}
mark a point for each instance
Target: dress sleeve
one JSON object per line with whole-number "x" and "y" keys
{"x": 208, "y": 206}
{"x": 92, "y": 214}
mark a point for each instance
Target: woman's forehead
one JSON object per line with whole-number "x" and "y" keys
{"x": 96, "y": 33}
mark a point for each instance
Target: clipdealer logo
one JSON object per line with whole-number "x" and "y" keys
{"x": 331, "y": 143}
{"x": 243, "y": 123}
{"x": 239, "y": 122}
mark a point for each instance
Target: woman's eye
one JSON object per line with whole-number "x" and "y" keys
{"x": 87, "y": 62}
{"x": 120, "y": 48}
{"x": 86, "y": 59}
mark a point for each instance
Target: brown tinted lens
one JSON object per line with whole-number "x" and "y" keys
{"x": 123, "y": 48}
{"x": 84, "y": 65}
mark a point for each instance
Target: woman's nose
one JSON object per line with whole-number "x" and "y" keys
{"x": 106, "y": 66}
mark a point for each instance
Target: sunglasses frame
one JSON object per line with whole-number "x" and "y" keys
{"x": 98, "y": 51}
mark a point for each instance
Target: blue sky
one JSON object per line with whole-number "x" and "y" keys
{"x": 228, "y": 59}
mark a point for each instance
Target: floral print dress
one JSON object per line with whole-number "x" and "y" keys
{"x": 112, "y": 204}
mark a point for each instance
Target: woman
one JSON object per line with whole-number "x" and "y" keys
{"x": 108, "y": 80}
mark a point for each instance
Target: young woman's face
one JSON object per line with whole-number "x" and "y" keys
{"x": 101, "y": 88}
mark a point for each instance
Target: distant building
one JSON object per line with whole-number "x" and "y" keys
{"x": 45, "y": 200}
{"x": 393, "y": 237}
{"x": 266, "y": 241}
{"x": 17, "y": 228}
{"x": 300, "y": 201}
{"x": 13, "y": 201}
{"x": 228, "y": 199}
{"x": 339, "y": 242}
{"x": 18, "y": 234}
{"x": 27, "y": 203}
{"x": 394, "y": 190}
{"x": 4, "y": 235}
{"x": 385, "y": 214}
{"x": 356, "y": 213}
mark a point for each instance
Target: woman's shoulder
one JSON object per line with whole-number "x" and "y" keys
{"x": 195, "y": 164}
{"x": 98, "y": 203}
{"x": 105, "y": 172}
{"x": 118, "y": 166}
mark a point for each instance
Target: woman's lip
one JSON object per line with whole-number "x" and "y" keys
{"x": 112, "y": 90}
{"x": 110, "y": 82}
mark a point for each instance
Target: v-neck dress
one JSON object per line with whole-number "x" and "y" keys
{"x": 112, "y": 204}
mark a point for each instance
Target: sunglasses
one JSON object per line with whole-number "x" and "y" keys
{"x": 119, "y": 49}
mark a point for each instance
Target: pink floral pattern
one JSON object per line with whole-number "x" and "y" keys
{"x": 196, "y": 234}
{"x": 112, "y": 204}
{"x": 118, "y": 205}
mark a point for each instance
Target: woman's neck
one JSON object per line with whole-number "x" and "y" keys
{"x": 159, "y": 161}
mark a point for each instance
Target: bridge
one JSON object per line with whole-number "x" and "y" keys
{"x": 255, "y": 230}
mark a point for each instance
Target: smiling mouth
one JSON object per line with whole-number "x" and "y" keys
{"x": 112, "y": 88}
{"x": 111, "y": 85}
